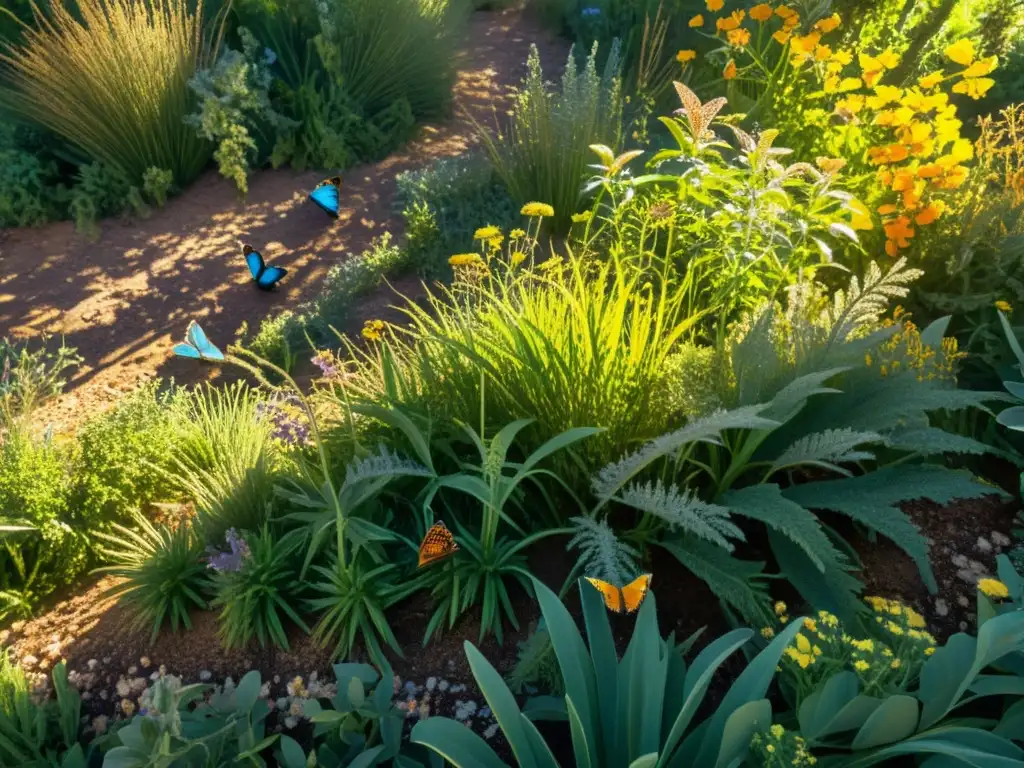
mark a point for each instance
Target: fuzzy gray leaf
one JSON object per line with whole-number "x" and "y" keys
{"x": 683, "y": 510}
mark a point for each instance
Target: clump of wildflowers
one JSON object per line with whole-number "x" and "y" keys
{"x": 373, "y": 330}
{"x": 905, "y": 351}
{"x": 889, "y": 659}
{"x": 779, "y": 748}
{"x": 329, "y": 365}
{"x": 287, "y": 417}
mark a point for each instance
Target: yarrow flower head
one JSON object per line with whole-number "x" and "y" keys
{"x": 487, "y": 233}
{"x": 993, "y": 588}
{"x": 537, "y": 209}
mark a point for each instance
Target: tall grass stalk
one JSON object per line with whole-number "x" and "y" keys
{"x": 225, "y": 458}
{"x": 388, "y": 50}
{"x": 572, "y": 346}
{"x": 543, "y": 152}
{"x": 111, "y": 77}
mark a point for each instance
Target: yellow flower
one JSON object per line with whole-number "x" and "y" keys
{"x": 372, "y": 329}
{"x": 730, "y": 70}
{"x": 780, "y": 608}
{"x": 715, "y": 5}
{"x": 518, "y": 257}
{"x": 537, "y": 209}
{"x": 761, "y": 12}
{"x": 770, "y": 748}
{"x": 1004, "y": 306}
{"x": 781, "y": 36}
{"x": 777, "y": 731}
{"x": 929, "y": 651}
{"x": 487, "y": 233}
{"x": 517, "y": 234}
{"x": 827, "y": 25}
{"x": 464, "y": 259}
{"x": 961, "y": 52}
{"x": 697, "y": 21}
{"x": 993, "y": 588}
{"x": 803, "y": 644}
{"x": 981, "y": 67}
{"x": 785, "y": 12}
{"x": 811, "y": 625}
{"x": 930, "y": 81}
{"x": 975, "y": 87}
{"x": 767, "y": 633}
{"x": 915, "y": 619}
{"x": 861, "y": 666}
{"x": 684, "y": 56}
{"x": 896, "y": 664}
{"x": 738, "y": 37}
{"x": 579, "y": 218}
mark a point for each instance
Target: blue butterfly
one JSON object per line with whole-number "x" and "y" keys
{"x": 197, "y": 345}
{"x": 326, "y": 195}
{"x": 265, "y": 276}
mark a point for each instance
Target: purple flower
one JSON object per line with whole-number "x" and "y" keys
{"x": 287, "y": 418}
{"x": 228, "y": 561}
{"x": 326, "y": 363}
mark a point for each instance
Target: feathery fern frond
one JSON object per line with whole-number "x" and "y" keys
{"x": 765, "y": 503}
{"x": 828, "y": 449}
{"x": 862, "y": 303}
{"x": 738, "y": 583}
{"x": 682, "y": 509}
{"x": 383, "y": 464}
{"x": 706, "y": 429}
{"x": 872, "y": 500}
{"x": 932, "y": 441}
{"x": 602, "y": 554}
{"x": 537, "y": 665}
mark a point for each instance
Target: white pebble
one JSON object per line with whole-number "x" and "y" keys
{"x": 205, "y": 675}
{"x": 431, "y": 683}
{"x": 983, "y": 545}
{"x": 443, "y": 686}
{"x": 1000, "y": 539}
{"x": 92, "y": 664}
{"x": 963, "y": 601}
{"x": 490, "y": 730}
{"x": 941, "y": 607}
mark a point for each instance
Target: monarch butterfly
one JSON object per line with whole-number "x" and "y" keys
{"x": 437, "y": 544}
{"x": 629, "y": 596}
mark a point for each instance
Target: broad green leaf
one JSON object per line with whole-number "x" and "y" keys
{"x": 753, "y": 717}
{"x": 582, "y": 742}
{"x": 603, "y": 656}
{"x": 247, "y": 692}
{"x": 826, "y": 702}
{"x": 645, "y": 761}
{"x": 893, "y": 721}
{"x": 368, "y": 758}
{"x": 765, "y": 503}
{"x": 292, "y": 755}
{"x": 455, "y": 743}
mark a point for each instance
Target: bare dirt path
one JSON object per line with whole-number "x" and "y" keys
{"x": 125, "y": 300}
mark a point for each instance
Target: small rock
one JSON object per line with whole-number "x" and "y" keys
{"x": 205, "y": 675}
{"x": 983, "y": 545}
{"x": 92, "y": 664}
{"x": 431, "y": 683}
{"x": 963, "y": 601}
{"x": 145, "y": 662}
{"x": 87, "y": 696}
{"x": 29, "y": 661}
{"x": 18, "y": 626}
{"x": 443, "y": 686}
{"x": 1000, "y": 539}
{"x": 106, "y": 659}
{"x": 132, "y": 670}
{"x": 490, "y": 730}
{"x": 4, "y": 635}
{"x": 485, "y": 711}
{"x": 277, "y": 679}
{"x": 959, "y": 561}
{"x": 104, "y": 695}
{"x": 941, "y": 607}
{"x": 963, "y": 626}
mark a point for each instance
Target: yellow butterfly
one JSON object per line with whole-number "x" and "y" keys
{"x": 437, "y": 544}
{"x": 628, "y": 597}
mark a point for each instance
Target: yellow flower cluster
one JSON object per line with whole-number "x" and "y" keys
{"x": 739, "y": 34}
{"x": 919, "y": 153}
{"x": 993, "y": 588}
{"x": 537, "y": 209}
{"x": 779, "y": 748}
{"x": 373, "y": 330}
{"x": 904, "y": 351}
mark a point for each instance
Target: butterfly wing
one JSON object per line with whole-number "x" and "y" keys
{"x": 270, "y": 276}
{"x": 186, "y": 350}
{"x": 255, "y": 261}
{"x": 437, "y": 544}
{"x": 326, "y": 195}
{"x": 634, "y": 593}
{"x": 611, "y": 594}
{"x": 197, "y": 338}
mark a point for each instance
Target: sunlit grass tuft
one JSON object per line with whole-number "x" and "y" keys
{"x": 111, "y": 77}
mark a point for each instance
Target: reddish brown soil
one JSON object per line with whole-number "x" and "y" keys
{"x": 125, "y": 300}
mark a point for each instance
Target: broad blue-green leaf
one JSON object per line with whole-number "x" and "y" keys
{"x": 582, "y": 741}
{"x": 753, "y": 717}
{"x": 455, "y": 743}
{"x": 292, "y": 755}
{"x": 368, "y": 758}
{"x": 893, "y": 721}
{"x": 604, "y": 657}
{"x": 968, "y": 746}
{"x": 826, "y": 702}
{"x": 945, "y": 676}
{"x": 1012, "y": 723}
{"x": 834, "y": 590}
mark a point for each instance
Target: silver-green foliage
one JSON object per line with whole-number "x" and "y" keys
{"x": 639, "y": 711}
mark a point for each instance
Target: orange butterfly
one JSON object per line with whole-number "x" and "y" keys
{"x": 629, "y": 596}
{"x": 437, "y": 544}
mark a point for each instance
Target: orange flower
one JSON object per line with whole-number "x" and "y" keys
{"x": 781, "y": 36}
{"x": 761, "y": 13}
{"x": 930, "y": 213}
{"x": 929, "y": 171}
{"x": 887, "y": 209}
{"x": 827, "y": 25}
{"x": 930, "y": 81}
{"x": 730, "y": 70}
{"x": 697, "y": 21}
{"x": 738, "y": 37}
{"x": 715, "y": 5}
{"x": 730, "y": 22}
{"x": 785, "y": 12}
{"x": 822, "y": 53}
{"x": 684, "y": 56}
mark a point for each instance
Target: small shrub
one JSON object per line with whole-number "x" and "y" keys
{"x": 257, "y": 590}
{"x": 122, "y": 458}
{"x": 543, "y": 152}
{"x": 162, "y": 571}
{"x": 28, "y": 378}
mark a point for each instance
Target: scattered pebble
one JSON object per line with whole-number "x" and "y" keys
{"x": 144, "y": 661}
{"x": 106, "y": 659}
{"x": 205, "y": 675}
{"x": 132, "y": 669}
{"x": 983, "y": 545}
{"x": 963, "y": 626}
{"x": 963, "y": 601}
{"x": 124, "y": 688}
{"x": 431, "y": 683}
{"x": 29, "y": 661}
{"x": 485, "y": 711}
{"x": 490, "y": 730}
{"x": 443, "y": 686}
{"x": 92, "y": 664}
{"x": 999, "y": 539}
{"x": 941, "y": 607}
{"x": 959, "y": 561}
